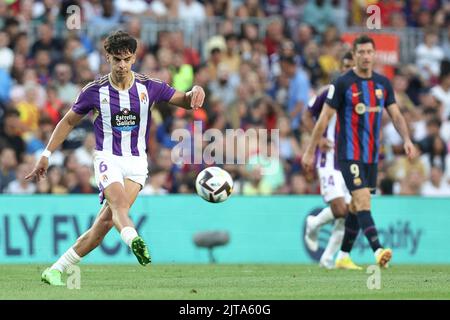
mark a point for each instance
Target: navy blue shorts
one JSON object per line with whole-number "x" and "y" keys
{"x": 358, "y": 175}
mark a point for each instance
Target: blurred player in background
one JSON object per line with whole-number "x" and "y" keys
{"x": 332, "y": 184}
{"x": 359, "y": 97}
{"x": 121, "y": 102}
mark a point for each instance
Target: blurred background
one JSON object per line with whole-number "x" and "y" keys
{"x": 232, "y": 49}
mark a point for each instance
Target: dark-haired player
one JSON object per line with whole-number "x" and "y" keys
{"x": 121, "y": 102}
{"x": 359, "y": 97}
{"x": 332, "y": 184}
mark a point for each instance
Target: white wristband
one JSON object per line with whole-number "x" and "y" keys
{"x": 46, "y": 153}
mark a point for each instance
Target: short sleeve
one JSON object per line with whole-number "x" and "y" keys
{"x": 315, "y": 105}
{"x": 335, "y": 94}
{"x": 162, "y": 91}
{"x": 85, "y": 101}
{"x": 390, "y": 96}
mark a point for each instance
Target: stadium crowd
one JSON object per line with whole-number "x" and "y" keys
{"x": 251, "y": 82}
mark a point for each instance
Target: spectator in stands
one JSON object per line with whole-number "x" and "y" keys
{"x": 299, "y": 90}
{"x": 85, "y": 153}
{"x": 433, "y": 147}
{"x": 163, "y": 9}
{"x": 36, "y": 144}
{"x": 255, "y": 185}
{"x": 411, "y": 185}
{"x": 67, "y": 91}
{"x": 11, "y": 133}
{"x": 224, "y": 86}
{"x": 84, "y": 185}
{"x": 298, "y": 184}
{"x": 132, "y": 7}
{"x": 436, "y": 186}
{"x": 55, "y": 179}
{"x": 219, "y": 8}
{"x": 441, "y": 91}
{"x": 47, "y": 41}
{"x": 28, "y": 109}
{"x": 156, "y": 182}
{"x": 274, "y": 37}
{"x": 20, "y": 185}
{"x": 108, "y": 20}
{"x": 190, "y": 55}
{"x": 318, "y": 14}
{"x": 6, "y": 54}
{"x": 250, "y": 8}
{"x": 192, "y": 12}
{"x": 8, "y": 165}
{"x": 5, "y": 86}
{"x": 182, "y": 73}
{"x": 429, "y": 56}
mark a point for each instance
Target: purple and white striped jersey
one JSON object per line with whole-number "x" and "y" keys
{"x": 324, "y": 159}
{"x": 122, "y": 121}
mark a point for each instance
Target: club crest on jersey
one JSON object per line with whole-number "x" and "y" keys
{"x": 360, "y": 108}
{"x": 125, "y": 120}
{"x": 379, "y": 93}
{"x": 143, "y": 97}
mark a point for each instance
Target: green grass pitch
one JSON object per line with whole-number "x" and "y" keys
{"x": 215, "y": 282}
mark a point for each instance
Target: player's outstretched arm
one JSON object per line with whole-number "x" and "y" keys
{"x": 321, "y": 124}
{"x": 63, "y": 128}
{"x": 402, "y": 128}
{"x": 189, "y": 100}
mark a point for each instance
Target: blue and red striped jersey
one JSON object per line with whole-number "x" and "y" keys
{"x": 359, "y": 103}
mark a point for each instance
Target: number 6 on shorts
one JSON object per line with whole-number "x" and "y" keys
{"x": 102, "y": 167}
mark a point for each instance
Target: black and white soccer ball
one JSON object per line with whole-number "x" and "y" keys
{"x": 214, "y": 184}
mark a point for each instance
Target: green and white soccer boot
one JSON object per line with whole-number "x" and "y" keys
{"x": 52, "y": 277}
{"x": 140, "y": 250}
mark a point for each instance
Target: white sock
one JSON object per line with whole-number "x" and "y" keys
{"x": 324, "y": 216}
{"x": 342, "y": 255}
{"x": 128, "y": 234}
{"x": 69, "y": 258}
{"x": 335, "y": 241}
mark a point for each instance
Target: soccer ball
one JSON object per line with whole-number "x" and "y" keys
{"x": 214, "y": 184}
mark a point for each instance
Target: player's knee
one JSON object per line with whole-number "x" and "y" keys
{"x": 119, "y": 205}
{"x": 339, "y": 209}
{"x": 105, "y": 224}
{"x": 362, "y": 201}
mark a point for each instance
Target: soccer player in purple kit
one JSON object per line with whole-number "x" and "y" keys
{"x": 359, "y": 97}
{"x": 332, "y": 184}
{"x": 121, "y": 102}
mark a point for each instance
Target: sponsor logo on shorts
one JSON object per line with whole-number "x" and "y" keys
{"x": 104, "y": 178}
{"x": 357, "y": 182}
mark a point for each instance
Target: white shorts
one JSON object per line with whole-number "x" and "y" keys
{"x": 110, "y": 168}
{"x": 332, "y": 185}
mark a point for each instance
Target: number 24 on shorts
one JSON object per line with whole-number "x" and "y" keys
{"x": 330, "y": 181}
